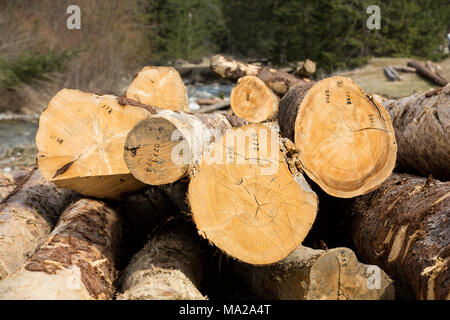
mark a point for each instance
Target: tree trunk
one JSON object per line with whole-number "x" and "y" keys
{"x": 427, "y": 73}
{"x": 161, "y": 87}
{"x": 245, "y": 199}
{"x": 422, "y": 131}
{"x": 168, "y": 267}
{"x": 345, "y": 139}
{"x": 80, "y": 142}
{"x": 27, "y": 215}
{"x": 253, "y": 101}
{"x": 276, "y": 80}
{"x": 164, "y": 148}
{"x": 404, "y": 228}
{"x": 308, "y": 274}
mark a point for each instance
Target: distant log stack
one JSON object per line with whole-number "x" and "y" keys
{"x": 306, "y": 68}
{"x": 248, "y": 199}
{"x": 161, "y": 87}
{"x": 162, "y": 149}
{"x": 80, "y": 142}
{"x": 422, "y": 131}
{"x": 308, "y": 274}
{"x": 403, "y": 227}
{"x": 76, "y": 262}
{"x": 428, "y": 73}
{"x": 345, "y": 139}
{"x": 26, "y": 216}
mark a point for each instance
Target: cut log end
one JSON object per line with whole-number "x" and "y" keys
{"x": 248, "y": 203}
{"x": 161, "y": 87}
{"x": 345, "y": 138}
{"x": 253, "y": 101}
{"x": 80, "y": 142}
{"x": 148, "y": 152}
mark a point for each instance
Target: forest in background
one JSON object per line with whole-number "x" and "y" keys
{"x": 39, "y": 55}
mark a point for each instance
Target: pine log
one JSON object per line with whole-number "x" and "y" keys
{"x": 404, "y": 227}
{"x": 422, "y": 131}
{"x": 404, "y": 69}
{"x": 245, "y": 199}
{"x": 168, "y": 267}
{"x": 161, "y": 87}
{"x": 7, "y": 185}
{"x": 80, "y": 142}
{"x": 392, "y": 74}
{"x": 345, "y": 139}
{"x": 76, "y": 262}
{"x": 308, "y": 274}
{"x": 305, "y": 68}
{"x": 427, "y": 73}
{"x": 163, "y": 149}
{"x": 276, "y": 80}
{"x": 253, "y": 101}
{"x": 27, "y": 215}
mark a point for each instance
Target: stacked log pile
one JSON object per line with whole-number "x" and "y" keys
{"x": 140, "y": 190}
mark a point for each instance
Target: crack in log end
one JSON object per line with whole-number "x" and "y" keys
{"x": 63, "y": 169}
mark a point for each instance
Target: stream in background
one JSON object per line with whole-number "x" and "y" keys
{"x": 17, "y": 132}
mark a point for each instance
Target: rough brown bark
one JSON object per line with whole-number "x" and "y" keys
{"x": 422, "y": 131}
{"x": 168, "y": 267}
{"x": 404, "y": 227}
{"x": 308, "y": 274}
{"x": 27, "y": 215}
{"x": 276, "y": 80}
{"x": 427, "y": 73}
{"x": 77, "y": 261}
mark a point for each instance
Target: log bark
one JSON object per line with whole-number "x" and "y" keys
{"x": 427, "y": 73}
{"x": 253, "y": 101}
{"x": 164, "y": 148}
{"x": 161, "y": 87}
{"x": 76, "y": 262}
{"x": 422, "y": 131}
{"x": 308, "y": 274}
{"x": 345, "y": 138}
{"x": 27, "y": 215}
{"x": 404, "y": 227}
{"x": 248, "y": 199}
{"x": 80, "y": 142}
{"x": 276, "y": 80}
{"x": 168, "y": 267}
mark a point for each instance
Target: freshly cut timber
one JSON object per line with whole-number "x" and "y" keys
{"x": 404, "y": 227}
{"x": 345, "y": 138}
{"x": 308, "y": 274}
{"x": 306, "y": 68}
{"x": 422, "y": 131}
{"x": 168, "y": 267}
{"x": 163, "y": 148}
{"x": 161, "y": 87}
{"x": 245, "y": 199}
{"x": 76, "y": 262}
{"x": 253, "y": 101}
{"x": 80, "y": 142}
{"x": 27, "y": 215}
{"x": 276, "y": 80}
{"x": 428, "y": 72}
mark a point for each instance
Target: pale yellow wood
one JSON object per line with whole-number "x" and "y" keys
{"x": 80, "y": 140}
{"x": 247, "y": 202}
{"x": 161, "y": 87}
{"x": 345, "y": 139}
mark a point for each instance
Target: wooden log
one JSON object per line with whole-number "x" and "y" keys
{"x": 427, "y": 73}
{"x": 345, "y": 138}
{"x": 305, "y": 68}
{"x": 253, "y": 101}
{"x": 248, "y": 199}
{"x": 391, "y": 74}
{"x": 76, "y": 262}
{"x": 161, "y": 87}
{"x": 27, "y": 215}
{"x": 276, "y": 80}
{"x": 404, "y": 69}
{"x": 404, "y": 228}
{"x": 168, "y": 267}
{"x": 80, "y": 142}
{"x": 7, "y": 185}
{"x": 422, "y": 131}
{"x": 163, "y": 149}
{"x": 308, "y": 274}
